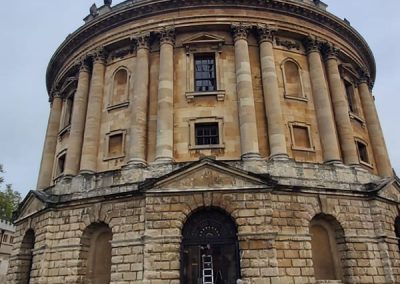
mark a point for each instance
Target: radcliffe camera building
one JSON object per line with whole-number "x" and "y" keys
{"x": 211, "y": 142}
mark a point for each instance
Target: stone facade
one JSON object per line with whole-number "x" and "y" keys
{"x": 7, "y": 231}
{"x": 180, "y": 131}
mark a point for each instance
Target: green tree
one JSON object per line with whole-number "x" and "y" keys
{"x": 9, "y": 199}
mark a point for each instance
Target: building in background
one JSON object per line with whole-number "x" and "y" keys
{"x": 211, "y": 142}
{"x": 7, "y": 231}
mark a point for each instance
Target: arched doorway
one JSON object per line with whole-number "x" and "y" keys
{"x": 210, "y": 251}
{"x": 26, "y": 257}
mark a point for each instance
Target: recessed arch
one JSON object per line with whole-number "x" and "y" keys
{"x": 292, "y": 79}
{"x": 96, "y": 253}
{"x": 327, "y": 238}
{"x": 120, "y": 86}
{"x": 209, "y": 247}
{"x": 397, "y": 230}
{"x": 26, "y": 257}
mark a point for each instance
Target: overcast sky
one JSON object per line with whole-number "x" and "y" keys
{"x": 32, "y": 30}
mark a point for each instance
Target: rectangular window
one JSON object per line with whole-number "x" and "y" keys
{"x": 207, "y": 134}
{"x": 301, "y": 137}
{"x": 350, "y": 95}
{"x": 115, "y": 145}
{"x": 5, "y": 238}
{"x": 362, "y": 152}
{"x": 11, "y": 240}
{"x": 61, "y": 164}
{"x": 204, "y": 77}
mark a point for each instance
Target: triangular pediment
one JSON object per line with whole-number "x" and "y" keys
{"x": 32, "y": 203}
{"x": 390, "y": 190}
{"x": 203, "y": 38}
{"x": 208, "y": 175}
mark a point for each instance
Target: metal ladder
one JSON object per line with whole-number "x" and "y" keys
{"x": 208, "y": 272}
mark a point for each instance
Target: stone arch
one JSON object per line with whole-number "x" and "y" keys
{"x": 209, "y": 234}
{"x": 292, "y": 78}
{"x": 95, "y": 254}
{"x": 25, "y": 257}
{"x": 119, "y": 86}
{"x": 397, "y": 230}
{"x": 328, "y": 247}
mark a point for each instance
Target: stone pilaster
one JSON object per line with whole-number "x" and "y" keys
{"x": 50, "y": 142}
{"x": 91, "y": 137}
{"x": 323, "y": 108}
{"x": 138, "y": 129}
{"x": 75, "y": 139}
{"x": 244, "y": 87}
{"x": 165, "y": 116}
{"x": 340, "y": 106}
{"x": 374, "y": 129}
{"x": 276, "y": 125}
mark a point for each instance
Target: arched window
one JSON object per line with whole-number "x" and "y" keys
{"x": 326, "y": 234}
{"x": 120, "y": 87}
{"x": 96, "y": 253}
{"x": 209, "y": 248}
{"x": 292, "y": 79}
{"x": 26, "y": 257}
{"x": 397, "y": 230}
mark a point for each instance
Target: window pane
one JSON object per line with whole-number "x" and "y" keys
{"x": 204, "y": 73}
{"x": 207, "y": 133}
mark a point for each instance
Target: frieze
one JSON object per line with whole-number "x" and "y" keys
{"x": 289, "y": 44}
{"x": 120, "y": 14}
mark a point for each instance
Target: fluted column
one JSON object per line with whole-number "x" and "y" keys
{"x": 75, "y": 139}
{"x": 50, "y": 143}
{"x": 165, "y": 116}
{"x": 340, "y": 107}
{"x": 276, "y": 125}
{"x": 244, "y": 87}
{"x": 138, "y": 128}
{"x": 326, "y": 124}
{"x": 374, "y": 129}
{"x": 91, "y": 137}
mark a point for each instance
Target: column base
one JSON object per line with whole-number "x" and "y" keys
{"x": 251, "y": 156}
{"x": 137, "y": 163}
{"x": 87, "y": 172}
{"x": 333, "y": 162}
{"x": 279, "y": 157}
{"x": 163, "y": 160}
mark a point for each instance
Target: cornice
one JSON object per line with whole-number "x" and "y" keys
{"x": 129, "y": 11}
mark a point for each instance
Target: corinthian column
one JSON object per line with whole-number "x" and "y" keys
{"x": 77, "y": 122}
{"x": 165, "y": 116}
{"x": 50, "y": 142}
{"x": 276, "y": 125}
{"x": 374, "y": 129}
{"x": 340, "y": 107}
{"x": 244, "y": 87}
{"x": 326, "y": 124}
{"x": 138, "y": 129}
{"x": 91, "y": 137}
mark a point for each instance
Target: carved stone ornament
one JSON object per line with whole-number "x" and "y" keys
{"x": 99, "y": 55}
{"x": 312, "y": 44}
{"x": 107, "y": 2}
{"x": 82, "y": 64}
{"x": 266, "y": 33}
{"x": 329, "y": 50}
{"x": 167, "y": 35}
{"x": 289, "y": 44}
{"x": 93, "y": 10}
{"x": 240, "y": 31}
{"x": 143, "y": 41}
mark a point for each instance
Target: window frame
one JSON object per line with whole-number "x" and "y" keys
{"x": 107, "y": 156}
{"x": 358, "y": 141}
{"x": 307, "y": 126}
{"x": 57, "y": 173}
{"x": 205, "y": 120}
{"x": 202, "y": 57}
{"x": 303, "y": 97}
{"x": 124, "y": 103}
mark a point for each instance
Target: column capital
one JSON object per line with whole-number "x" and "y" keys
{"x": 312, "y": 44}
{"x": 142, "y": 41}
{"x": 240, "y": 31}
{"x": 99, "y": 55}
{"x": 329, "y": 51}
{"x": 83, "y": 64}
{"x": 167, "y": 35}
{"x": 364, "y": 76}
{"x": 266, "y": 33}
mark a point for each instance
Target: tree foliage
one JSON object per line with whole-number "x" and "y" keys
{"x": 9, "y": 199}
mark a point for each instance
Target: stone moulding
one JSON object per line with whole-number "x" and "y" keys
{"x": 132, "y": 11}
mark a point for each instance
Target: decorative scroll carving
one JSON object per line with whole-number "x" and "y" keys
{"x": 240, "y": 31}
{"x": 143, "y": 41}
{"x": 312, "y": 44}
{"x": 99, "y": 55}
{"x": 266, "y": 33}
{"x": 329, "y": 50}
{"x": 83, "y": 64}
{"x": 289, "y": 44}
{"x": 167, "y": 35}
